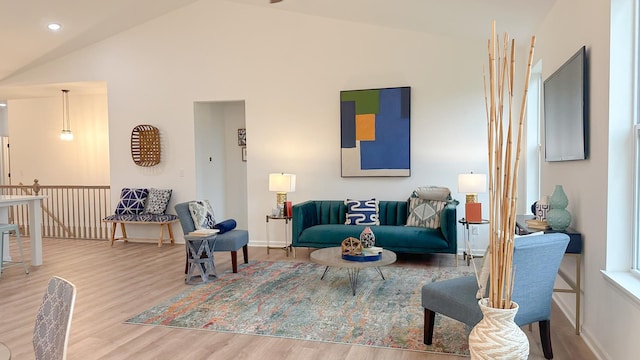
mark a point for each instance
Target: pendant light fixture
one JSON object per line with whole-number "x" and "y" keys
{"x": 66, "y": 133}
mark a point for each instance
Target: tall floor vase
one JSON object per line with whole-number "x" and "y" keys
{"x": 497, "y": 336}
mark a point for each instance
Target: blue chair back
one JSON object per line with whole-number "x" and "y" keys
{"x": 537, "y": 260}
{"x": 186, "y": 221}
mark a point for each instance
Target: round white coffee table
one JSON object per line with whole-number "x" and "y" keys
{"x": 332, "y": 257}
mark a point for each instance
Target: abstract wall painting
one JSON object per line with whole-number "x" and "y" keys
{"x": 375, "y": 132}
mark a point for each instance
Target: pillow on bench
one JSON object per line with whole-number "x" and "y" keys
{"x": 157, "y": 201}
{"x": 132, "y": 201}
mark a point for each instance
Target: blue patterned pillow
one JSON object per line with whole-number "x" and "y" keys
{"x": 202, "y": 214}
{"x": 157, "y": 201}
{"x": 131, "y": 201}
{"x": 362, "y": 212}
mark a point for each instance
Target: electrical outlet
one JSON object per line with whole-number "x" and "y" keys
{"x": 474, "y": 230}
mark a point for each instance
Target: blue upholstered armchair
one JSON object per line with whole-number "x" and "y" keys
{"x": 231, "y": 240}
{"x": 536, "y": 260}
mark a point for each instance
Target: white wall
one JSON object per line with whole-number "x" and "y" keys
{"x": 235, "y": 170}
{"x": 210, "y": 155}
{"x": 289, "y": 70}
{"x": 37, "y": 151}
{"x": 600, "y": 207}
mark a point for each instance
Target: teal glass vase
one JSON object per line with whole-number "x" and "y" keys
{"x": 558, "y": 217}
{"x": 558, "y": 200}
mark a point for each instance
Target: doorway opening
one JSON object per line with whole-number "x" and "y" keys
{"x": 221, "y": 162}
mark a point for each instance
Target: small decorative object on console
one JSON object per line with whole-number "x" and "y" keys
{"x": 542, "y": 207}
{"x": 537, "y": 224}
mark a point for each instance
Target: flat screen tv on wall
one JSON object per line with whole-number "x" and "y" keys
{"x": 566, "y": 111}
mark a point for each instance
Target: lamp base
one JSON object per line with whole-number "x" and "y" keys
{"x": 472, "y": 198}
{"x": 281, "y": 199}
{"x": 473, "y": 212}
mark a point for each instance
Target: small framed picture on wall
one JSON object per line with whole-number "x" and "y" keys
{"x": 242, "y": 137}
{"x": 244, "y": 153}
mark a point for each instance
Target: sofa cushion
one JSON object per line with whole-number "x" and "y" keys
{"x": 401, "y": 238}
{"x": 132, "y": 201}
{"x": 202, "y": 214}
{"x": 440, "y": 193}
{"x": 362, "y": 212}
{"x": 142, "y": 217}
{"x": 425, "y": 213}
{"x": 157, "y": 201}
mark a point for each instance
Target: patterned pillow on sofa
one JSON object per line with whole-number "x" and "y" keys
{"x": 425, "y": 213}
{"x": 157, "y": 201}
{"x": 202, "y": 214}
{"x": 131, "y": 201}
{"x": 362, "y": 212}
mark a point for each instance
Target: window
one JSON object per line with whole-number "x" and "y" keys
{"x": 636, "y": 244}
{"x": 635, "y": 267}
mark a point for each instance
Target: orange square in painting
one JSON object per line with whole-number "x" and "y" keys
{"x": 366, "y": 127}
{"x": 473, "y": 212}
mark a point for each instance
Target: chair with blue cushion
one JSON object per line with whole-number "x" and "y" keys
{"x": 536, "y": 260}
{"x": 232, "y": 240}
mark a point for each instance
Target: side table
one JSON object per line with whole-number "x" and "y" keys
{"x": 467, "y": 241}
{"x": 288, "y": 247}
{"x": 200, "y": 258}
{"x": 574, "y": 249}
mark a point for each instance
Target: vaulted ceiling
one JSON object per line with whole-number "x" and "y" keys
{"x": 27, "y": 42}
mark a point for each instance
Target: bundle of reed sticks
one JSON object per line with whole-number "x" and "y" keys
{"x": 504, "y": 160}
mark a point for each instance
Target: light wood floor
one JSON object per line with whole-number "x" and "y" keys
{"x": 117, "y": 282}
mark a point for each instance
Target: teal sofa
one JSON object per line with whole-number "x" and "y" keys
{"x": 320, "y": 224}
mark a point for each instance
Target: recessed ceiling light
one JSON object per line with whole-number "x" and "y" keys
{"x": 54, "y": 26}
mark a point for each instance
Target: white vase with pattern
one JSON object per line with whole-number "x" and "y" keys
{"x": 367, "y": 238}
{"x": 497, "y": 336}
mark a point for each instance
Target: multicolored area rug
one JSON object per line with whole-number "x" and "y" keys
{"x": 288, "y": 299}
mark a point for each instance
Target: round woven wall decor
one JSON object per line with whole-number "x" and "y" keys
{"x": 145, "y": 145}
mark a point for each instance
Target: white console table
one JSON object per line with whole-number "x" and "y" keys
{"x": 34, "y": 202}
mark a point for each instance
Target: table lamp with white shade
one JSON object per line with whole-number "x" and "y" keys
{"x": 282, "y": 184}
{"x": 472, "y": 184}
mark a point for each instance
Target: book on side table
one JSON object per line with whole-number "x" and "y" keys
{"x": 203, "y": 232}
